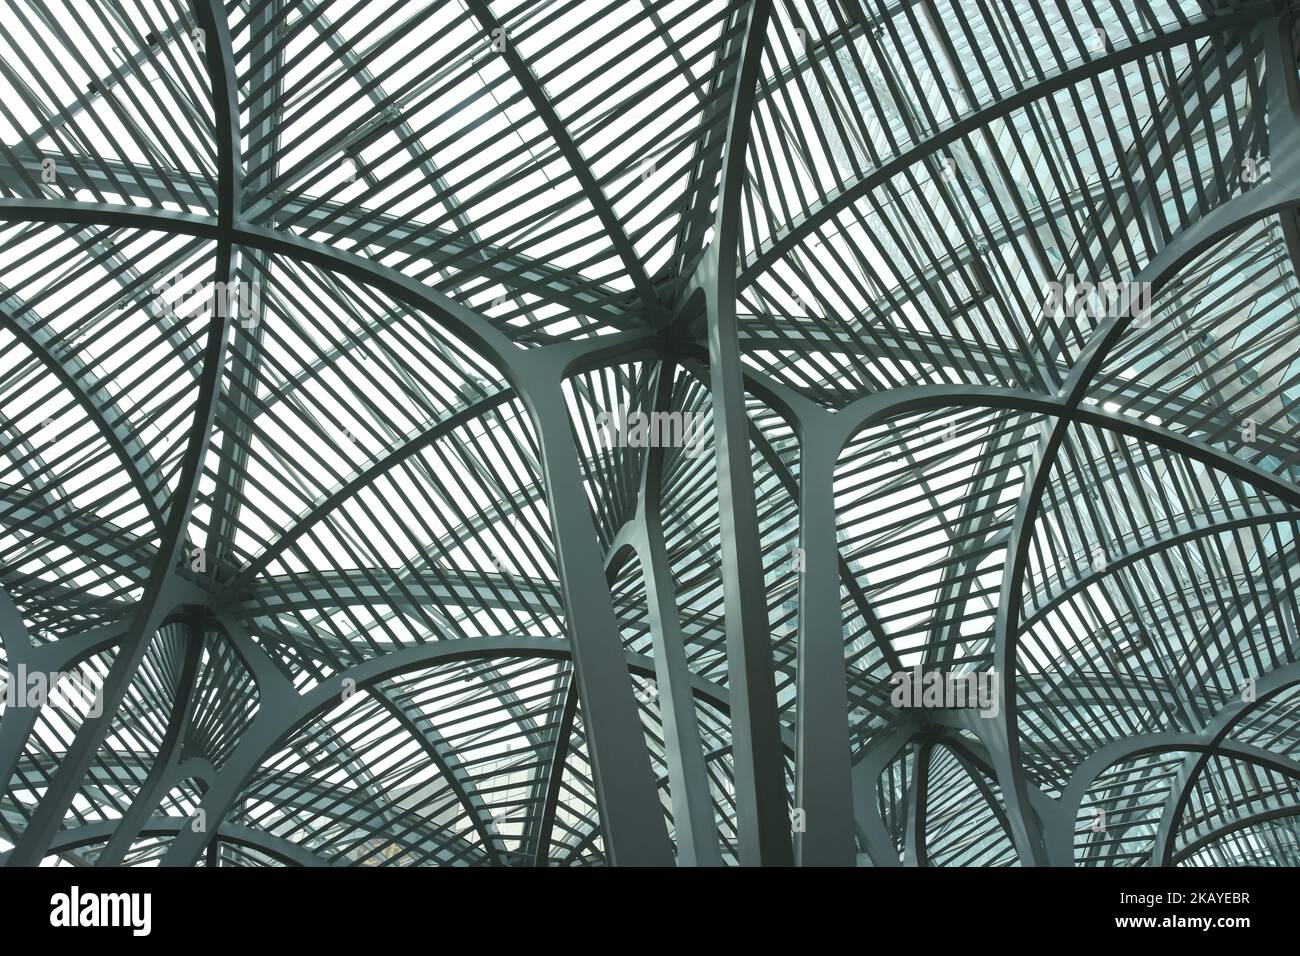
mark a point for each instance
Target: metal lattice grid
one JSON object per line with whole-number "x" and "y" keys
{"x": 314, "y": 317}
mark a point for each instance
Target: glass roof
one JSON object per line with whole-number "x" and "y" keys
{"x": 552, "y": 432}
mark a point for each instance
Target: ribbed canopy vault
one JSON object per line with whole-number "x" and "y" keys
{"x": 314, "y": 317}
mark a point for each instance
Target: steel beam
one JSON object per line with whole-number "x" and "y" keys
{"x": 762, "y": 814}
{"x": 825, "y": 210}
{"x": 632, "y": 819}
{"x": 161, "y": 590}
{"x": 823, "y": 781}
{"x": 591, "y": 188}
{"x": 697, "y": 832}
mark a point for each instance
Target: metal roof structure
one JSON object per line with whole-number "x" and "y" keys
{"x": 553, "y": 432}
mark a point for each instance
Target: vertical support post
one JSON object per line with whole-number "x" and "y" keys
{"x": 762, "y": 820}
{"x": 914, "y": 853}
{"x": 632, "y": 818}
{"x": 688, "y": 778}
{"x": 866, "y": 805}
{"x": 823, "y": 773}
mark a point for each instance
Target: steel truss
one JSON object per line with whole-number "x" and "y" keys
{"x": 358, "y": 578}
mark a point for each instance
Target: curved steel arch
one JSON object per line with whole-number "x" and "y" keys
{"x": 812, "y": 284}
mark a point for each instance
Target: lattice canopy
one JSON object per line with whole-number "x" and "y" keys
{"x": 327, "y": 328}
